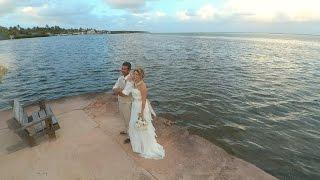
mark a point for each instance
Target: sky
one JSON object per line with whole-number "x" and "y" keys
{"x": 273, "y": 16}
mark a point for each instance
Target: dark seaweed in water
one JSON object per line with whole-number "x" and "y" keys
{"x": 3, "y": 71}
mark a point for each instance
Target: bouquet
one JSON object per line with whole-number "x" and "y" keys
{"x": 141, "y": 123}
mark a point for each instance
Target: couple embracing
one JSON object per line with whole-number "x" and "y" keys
{"x": 135, "y": 109}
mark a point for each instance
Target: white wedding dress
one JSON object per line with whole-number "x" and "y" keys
{"x": 143, "y": 141}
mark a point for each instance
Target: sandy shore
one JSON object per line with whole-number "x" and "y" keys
{"x": 89, "y": 146}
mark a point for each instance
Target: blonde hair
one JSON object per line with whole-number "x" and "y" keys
{"x": 140, "y": 71}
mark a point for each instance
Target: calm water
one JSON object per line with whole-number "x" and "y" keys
{"x": 256, "y": 95}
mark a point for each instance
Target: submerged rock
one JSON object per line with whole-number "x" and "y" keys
{"x": 3, "y": 72}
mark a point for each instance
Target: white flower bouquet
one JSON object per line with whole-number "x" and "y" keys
{"x": 141, "y": 123}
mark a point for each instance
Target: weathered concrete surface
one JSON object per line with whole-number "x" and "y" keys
{"x": 89, "y": 146}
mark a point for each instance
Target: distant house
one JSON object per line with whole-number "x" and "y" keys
{"x": 92, "y": 31}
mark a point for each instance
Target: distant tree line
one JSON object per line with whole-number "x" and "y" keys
{"x": 20, "y": 32}
{"x": 17, "y": 32}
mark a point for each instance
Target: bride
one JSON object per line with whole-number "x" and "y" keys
{"x": 141, "y": 131}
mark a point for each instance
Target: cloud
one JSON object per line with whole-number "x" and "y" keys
{"x": 274, "y": 10}
{"x": 132, "y": 5}
{"x": 6, "y": 7}
{"x": 40, "y": 12}
{"x": 183, "y": 15}
{"x": 56, "y": 10}
{"x": 144, "y": 15}
{"x": 206, "y": 12}
{"x": 149, "y": 15}
{"x": 10, "y": 6}
{"x": 261, "y": 11}
{"x": 232, "y": 15}
{"x": 160, "y": 14}
{"x": 126, "y": 4}
{"x": 72, "y": 13}
{"x": 29, "y": 11}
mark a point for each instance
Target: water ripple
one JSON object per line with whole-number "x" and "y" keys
{"x": 255, "y": 95}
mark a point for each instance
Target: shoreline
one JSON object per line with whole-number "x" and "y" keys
{"x": 90, "y": 126}
{"x": 24, "y": 36}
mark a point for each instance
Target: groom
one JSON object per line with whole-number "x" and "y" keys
{"x": 122, "y": 89}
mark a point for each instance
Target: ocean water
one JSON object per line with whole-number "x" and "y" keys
{"x": 255, "y": 95}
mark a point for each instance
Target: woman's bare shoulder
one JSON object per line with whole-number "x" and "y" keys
{"x": 143, "y": 87}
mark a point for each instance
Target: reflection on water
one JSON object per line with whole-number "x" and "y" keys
{"x": 255, "y": 95}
